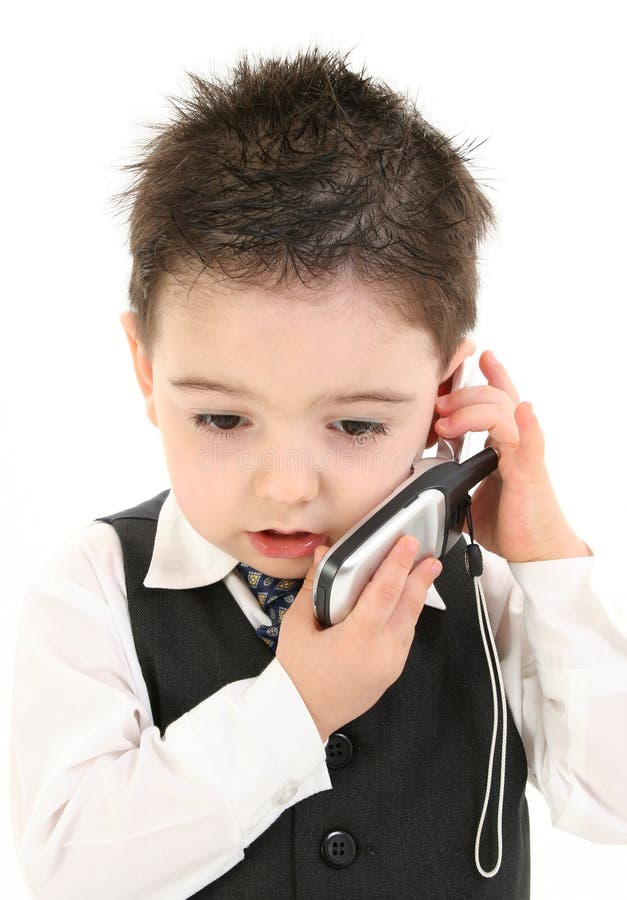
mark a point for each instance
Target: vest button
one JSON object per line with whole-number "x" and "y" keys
{"x": 339, "y": 750}
{"x": 338, "y": 849}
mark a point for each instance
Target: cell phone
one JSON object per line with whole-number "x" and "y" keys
{"x": 430, "y": 504}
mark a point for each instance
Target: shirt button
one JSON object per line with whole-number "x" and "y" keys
{"x": 339, "y": 750}
{"x": 286, "y": 793}
{"x": 338, "y": 849}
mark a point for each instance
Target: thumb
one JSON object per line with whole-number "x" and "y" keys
{"x": 531, "y": 440}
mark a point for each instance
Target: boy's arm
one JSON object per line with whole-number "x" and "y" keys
{"x": 102, "y": 806}
{"x": 562, "y": 642}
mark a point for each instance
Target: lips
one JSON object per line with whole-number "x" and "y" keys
{"x": 290, "y": 545}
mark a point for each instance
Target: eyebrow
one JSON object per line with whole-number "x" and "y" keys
{"x": 385, "y": 395}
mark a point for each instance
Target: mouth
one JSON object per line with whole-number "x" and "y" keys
{"x": 290, "y": 533}
{"x": 291, "y": 544}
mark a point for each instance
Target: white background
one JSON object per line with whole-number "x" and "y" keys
{"x": 544, "y": 83}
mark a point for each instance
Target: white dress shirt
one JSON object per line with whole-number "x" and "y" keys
{"x": 103, "y": 807}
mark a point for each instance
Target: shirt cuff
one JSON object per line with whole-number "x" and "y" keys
{"x": 263, "y": 745}
{"x": 567, "y": 622}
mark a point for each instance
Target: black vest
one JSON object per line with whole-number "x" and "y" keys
{"x": 408, "y": 776}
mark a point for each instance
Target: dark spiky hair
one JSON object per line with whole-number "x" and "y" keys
{"x": 301, "y": 169}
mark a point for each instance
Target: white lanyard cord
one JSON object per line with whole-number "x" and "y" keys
{"x": 474, "y": 566}
{"x": 481, "y": 602}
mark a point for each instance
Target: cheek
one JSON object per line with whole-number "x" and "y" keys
{"x": 179, "y": 442}
{"x": 421, "y": 425}
{"x": 369, "y": 479}
{"x": 194, "y": 470}
{"x": 206, "y": 494}
{"x": 411, "y": 442}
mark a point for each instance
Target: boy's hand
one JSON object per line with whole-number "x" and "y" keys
{"x": 515, "y": 512}
{"x": 340, "y": 672}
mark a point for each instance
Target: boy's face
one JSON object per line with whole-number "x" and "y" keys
{"x": 281, "y": 460}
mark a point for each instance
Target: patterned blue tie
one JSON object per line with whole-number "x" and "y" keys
{"x": 274, "y": 595}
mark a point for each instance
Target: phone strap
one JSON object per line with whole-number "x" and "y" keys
{"x": 474, "y": 566}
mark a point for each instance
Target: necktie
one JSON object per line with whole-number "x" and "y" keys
{"x": 274, "y": 595}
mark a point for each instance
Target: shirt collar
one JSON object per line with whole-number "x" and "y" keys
{"x": 181, "y": 557}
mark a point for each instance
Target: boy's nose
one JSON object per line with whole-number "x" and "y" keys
{"x": 282, "y": 485}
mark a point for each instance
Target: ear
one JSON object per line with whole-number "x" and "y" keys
{"x": 465, "y": 349}
{"x": 141, "y": 363}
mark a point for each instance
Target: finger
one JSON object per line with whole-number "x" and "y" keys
{"x": 472, "y": 396}
{"x": 403, "y": 619}
{"x": 497, "y": 375}
{"x": 380, "y": 596}
{"x": 498, "y": 421}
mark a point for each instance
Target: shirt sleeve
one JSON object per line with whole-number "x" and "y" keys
{"x": 103, "y": 806}
{"x": 561, "y": 635}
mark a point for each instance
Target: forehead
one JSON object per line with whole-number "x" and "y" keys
{"x": 209, "y": 307}
{"x": 340, "y": 333}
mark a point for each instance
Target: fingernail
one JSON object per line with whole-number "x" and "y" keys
{"x": 436, "y": 568}
{"x": 411, "y": 544}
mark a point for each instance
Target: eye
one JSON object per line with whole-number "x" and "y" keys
{"x": 224, "y": 426}
{"x": 365, "y": 431}
{"x": 199, "y": 421}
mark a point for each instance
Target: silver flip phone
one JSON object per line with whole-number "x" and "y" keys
{"x": 430, "y": 504}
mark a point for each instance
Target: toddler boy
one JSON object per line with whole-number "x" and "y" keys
{"x": 304, "y": 283}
